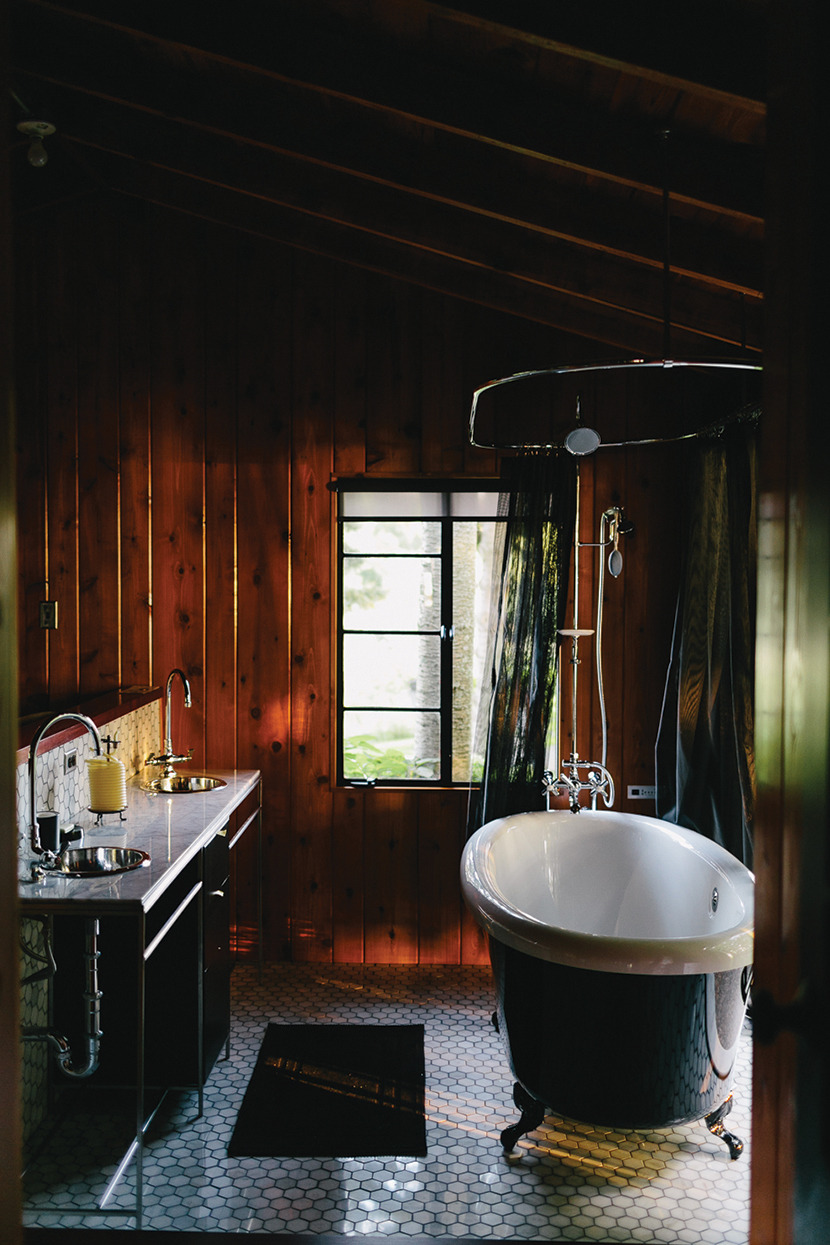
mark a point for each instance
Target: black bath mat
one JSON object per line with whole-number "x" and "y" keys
{"x": 334, "y": 1091}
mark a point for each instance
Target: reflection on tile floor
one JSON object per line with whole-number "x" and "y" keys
{"x": 564, "y": 1182}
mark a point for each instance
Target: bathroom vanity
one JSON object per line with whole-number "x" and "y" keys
{"x": 161, "y": 960}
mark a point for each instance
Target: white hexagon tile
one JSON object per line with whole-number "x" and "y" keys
{"x": 564, "y": 1182}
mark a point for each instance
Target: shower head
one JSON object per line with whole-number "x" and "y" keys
{"x": 615, "y": 563}
{"x": 582, "y": 441}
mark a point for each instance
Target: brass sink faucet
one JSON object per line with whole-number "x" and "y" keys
{"x": 168, "y": 758}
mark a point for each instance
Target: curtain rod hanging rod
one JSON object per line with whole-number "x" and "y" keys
{"x": 612, "y": 366}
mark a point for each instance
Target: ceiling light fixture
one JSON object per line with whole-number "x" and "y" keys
{"x": 36, "y": 131}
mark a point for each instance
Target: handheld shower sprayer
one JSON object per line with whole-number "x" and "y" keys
{"x": 618, "y": 526}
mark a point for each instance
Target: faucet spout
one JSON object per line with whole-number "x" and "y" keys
{"x": 34, "y": 829}
{"x": 168, "y": 757}
{"x": 168, "y": 745}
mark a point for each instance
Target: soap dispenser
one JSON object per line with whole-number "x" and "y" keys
{"x": 107, "y": 781}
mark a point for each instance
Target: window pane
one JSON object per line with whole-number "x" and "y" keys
{"x": 474, "y": 505}
{"x": 391, "y": 745}
{"x": 472, "y": 572}
{"x": 385, "y": 670}
{"x": 391, "y": 594}
{"x": 371, "y": 537}
{"x": 377, "y": 505}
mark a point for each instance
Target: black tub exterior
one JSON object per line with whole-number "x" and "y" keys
{"x": 621, "y": 1050}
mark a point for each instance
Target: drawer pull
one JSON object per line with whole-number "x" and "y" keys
{"x": 218, "y": 894}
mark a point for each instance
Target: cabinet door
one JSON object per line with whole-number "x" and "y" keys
{"x": 246, "y": 880}
{"x": 166, "y": 1010}
{"x": 217, "y": 958}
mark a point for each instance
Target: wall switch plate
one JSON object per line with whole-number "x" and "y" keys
{"x": 642, "y": 793}
{"x": 70, "y": 761}
{"x": 49, "y": 615}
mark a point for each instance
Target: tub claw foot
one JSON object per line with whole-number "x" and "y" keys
{"x": 533, "y": 1112}
{"x": 714, "y": 1123}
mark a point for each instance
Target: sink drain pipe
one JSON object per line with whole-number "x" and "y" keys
{"x": 92, "y": 1008}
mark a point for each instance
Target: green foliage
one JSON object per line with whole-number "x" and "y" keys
{"x": 362, "y": 758}
{"x": 371, "y": 588}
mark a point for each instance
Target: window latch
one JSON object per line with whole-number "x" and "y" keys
{"x": 447, "y": 633}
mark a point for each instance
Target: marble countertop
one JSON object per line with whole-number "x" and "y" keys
{"x": 172, "y": 828}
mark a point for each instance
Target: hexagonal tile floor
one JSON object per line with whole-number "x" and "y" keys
{"x": 564, "y": 1182}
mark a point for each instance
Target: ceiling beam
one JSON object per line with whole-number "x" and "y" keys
{"x": 469, "y": 277}
{"x": 528, "y": 118}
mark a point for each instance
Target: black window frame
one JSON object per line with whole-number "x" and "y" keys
{"x": 444, "y": 631}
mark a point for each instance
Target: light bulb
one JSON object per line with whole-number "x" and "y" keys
{"x": 36, "y": 131}
{"x": 36, "y": 154}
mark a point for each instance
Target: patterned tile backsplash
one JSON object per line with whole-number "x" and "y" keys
{"x": 138, "y": 734}
{"x": 67, "y": 794}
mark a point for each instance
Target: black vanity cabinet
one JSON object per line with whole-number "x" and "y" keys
{"x": 164, "y": 974}
{"x": 216, "y": 963}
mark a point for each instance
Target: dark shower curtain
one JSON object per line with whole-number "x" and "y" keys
{"x": 705, "y": 766}
{"x": 528, "y": 601}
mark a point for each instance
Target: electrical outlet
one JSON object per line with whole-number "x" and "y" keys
{"x": 70, "y": 761}
{"x": 642, "y": 793}
{"x": 49, "y": 615}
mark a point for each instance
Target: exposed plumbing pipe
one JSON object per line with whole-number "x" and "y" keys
{"x": 617, "y": 527}
{"x": 610, "y": 516}
{"x": 92, "y": 1017}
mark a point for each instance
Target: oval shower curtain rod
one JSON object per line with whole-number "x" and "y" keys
{"x": 617, "y": 365}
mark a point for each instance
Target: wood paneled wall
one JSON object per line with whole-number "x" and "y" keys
{"x": 185, "y": 394}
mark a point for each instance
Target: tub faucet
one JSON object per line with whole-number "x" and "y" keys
{"x": 598, "y": 782}
{"x": 168, "y": 758}
{"x": 50, "y": 857}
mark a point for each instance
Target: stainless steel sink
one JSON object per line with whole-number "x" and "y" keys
{"x": 181, "y": 784}
{"x": 90, "y": 862}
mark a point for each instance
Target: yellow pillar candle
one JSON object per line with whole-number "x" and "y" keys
{"x": 107, "y": 784}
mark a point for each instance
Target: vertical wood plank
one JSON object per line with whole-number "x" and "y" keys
{"x": 481, "y": 356}
{"x": 651, "y": 567}
{"x": 263, "y": 625}
{"x": 348, "y": 895}
{"x": 391, "y": 878}
{"x": 350, "y": 370}
{"x": 441, "y": 818}
{"x": 30, "y": 438}
{"x": 220, "y": 500}
{"x": 177, "y": 469}
{"x": 610, "y": 471}
{"x": 134, "y": 450}
{"x": 61, "y": 462}
{"x": 99, "y": 635}
{"x": 243, "y": 881}
{"x": 311, "y": 760}
{"x": 445, "y": 402}
{"x": 393, "y": 418}
{"x": 474, "y": 945}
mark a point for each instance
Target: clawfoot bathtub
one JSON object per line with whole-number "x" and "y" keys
{"x": 622, "y": 951}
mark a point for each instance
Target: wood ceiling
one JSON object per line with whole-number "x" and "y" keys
{"x": 509, "y": 152}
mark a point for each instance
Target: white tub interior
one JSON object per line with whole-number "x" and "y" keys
{"x": 611, "y": 890}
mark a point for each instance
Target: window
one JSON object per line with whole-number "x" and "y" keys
{"x": 414, "y": 596}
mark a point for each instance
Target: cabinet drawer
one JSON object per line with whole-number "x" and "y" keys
{"x": 215, "y": 860}
{"x": 168, "y": 902}
{"x": 246, "y": 810}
